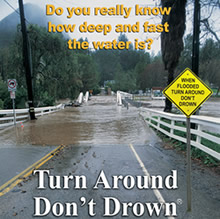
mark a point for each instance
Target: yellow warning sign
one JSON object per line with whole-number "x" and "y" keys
{"x": 187, "y": 92}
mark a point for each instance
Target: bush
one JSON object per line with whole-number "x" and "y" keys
{"x": 1, "y": 104}
{"x": 46, "y": 100}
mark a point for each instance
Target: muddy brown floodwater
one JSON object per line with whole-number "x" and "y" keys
{"x": 98, "y": 121}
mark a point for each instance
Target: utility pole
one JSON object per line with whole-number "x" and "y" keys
{"x": 195, "y": 46}
{"x": 195, "y": 69}
{"x": 27, "y": 63}
{"x": 196, "y": 32}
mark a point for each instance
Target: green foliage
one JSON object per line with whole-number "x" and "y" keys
{"x": 1, "y": 104}
{"x": 153, "y": 74}
{"x": 56, "y": 71}
{"x": 88, "y": 72}
{"x": 123, "y": 66}
{"x": 195, "y": 152}
{"x": 186, "y": 55}
{"x": 47, "y": 100}
{"x": 96, "y": 90}
{"x": 107, "y": 62}
{"x": 4, "y": 94}
{"x": 61, "y": 73}
{"x": 209, "y": 68}
{"x": 210, "y": 63}
{"x": 124, "y": 80}
{"x": 21, "y": 95}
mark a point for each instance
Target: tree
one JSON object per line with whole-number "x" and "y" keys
{"x": 186, "y": 55}
{"x": 57, "y": 72}
{"x": 88, "y": 72}
{"x": 140, "y": 67}
{"x": 106, "y": 61}
{"x": 172, "y": 41}
{"x": 210, "y": 62}
{"x": 153, "y": 74}
{"x": 124, "y": 80}
{"x": 209, "y": 16}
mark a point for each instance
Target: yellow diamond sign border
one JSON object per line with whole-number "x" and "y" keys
{"x": 180, "y": 75}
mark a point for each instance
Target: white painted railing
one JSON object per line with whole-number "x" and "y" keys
{"x": 122, "y": 95}
{"x": 158, "y": 98}
{"x": 156, "y": 119}
{"x": 22, "y": 115}
{"x": 80, "y": 98}
{"x": 86, "y": 98}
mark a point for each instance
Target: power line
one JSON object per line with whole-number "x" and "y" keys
{"x": 11, "y": 7}
{"x": 15, "y": 10}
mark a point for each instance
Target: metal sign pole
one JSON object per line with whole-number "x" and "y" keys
{"x": 189, "y": 193}
{"x": 13, "y": 101}
{"x": 177, "y": 92}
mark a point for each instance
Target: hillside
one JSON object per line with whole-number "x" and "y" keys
{"x": 34, "y": 15}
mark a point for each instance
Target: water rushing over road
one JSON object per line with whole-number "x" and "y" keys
{"x": 100, "y": 121}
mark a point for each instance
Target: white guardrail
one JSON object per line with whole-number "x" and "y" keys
{"x": 155, "y": 119}
{"x": 204, "y": 124}
{"x": 122, "y": 95}
{"x": 82, "y": 98}
{"x": 22, "y": 115}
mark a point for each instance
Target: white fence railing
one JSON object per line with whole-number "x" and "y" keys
{"x": 82, "y": 98}
{"x": 157, "y": 119}
{"x": 22, "y": 115}
{"x": 169, "y": 122}
{"x": 122, "y": 95}
{"x": 86, "y": 98}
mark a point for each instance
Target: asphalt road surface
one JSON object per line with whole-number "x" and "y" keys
{"x": 102, "y": 170}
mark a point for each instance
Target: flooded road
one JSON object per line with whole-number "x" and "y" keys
{"x": 211, "y": 108}
{"x": 87, "y": 124}
{"x": 101, "y": 136}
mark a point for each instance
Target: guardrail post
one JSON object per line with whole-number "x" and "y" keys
{"x": 87, "y": 96}
{"x": 172, "y": 127}
{"x": 14, "y": 112}
{"x": 158, "y": 122}
{"x": 119, "y": 99}
{"x": 198, "y": 137}
{"x": 145, "y": 115}
{"x": 150, "y": 116}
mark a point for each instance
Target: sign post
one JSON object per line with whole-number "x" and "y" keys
{"x": 12, "y": 85}
{"x": 188, "y": 92}
{"x": 189, "y": 185}
{"x": 12, "y": 94}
